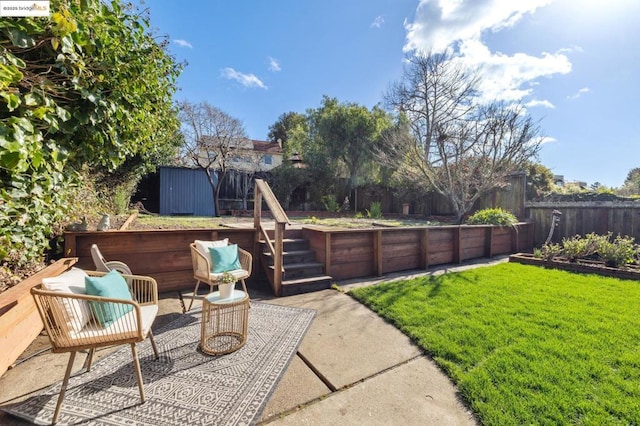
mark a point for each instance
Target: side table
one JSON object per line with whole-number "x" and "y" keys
{"x": 224, "y": 322}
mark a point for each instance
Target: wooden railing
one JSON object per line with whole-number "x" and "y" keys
{"x": 263, "y": 192}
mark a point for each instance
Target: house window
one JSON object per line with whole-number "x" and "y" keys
{"x": 268, "y": 159}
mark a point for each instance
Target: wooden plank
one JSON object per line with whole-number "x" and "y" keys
{"x": 424, "y": 249}
{"x": 352, "y": 254}
{"x": 20, "y": 322}
{"x": 328, "y": 265}
{"x": 488, "y": 242}
{"x": 378, "y": 252}
{"x": 401, "y": 250}
{"x": 397, "y": 237}
{"x": 352, "y": 270}
{"x": 411, "y": 261}
{"x": 457, "y": 246}
{"x": 439, "y": 258}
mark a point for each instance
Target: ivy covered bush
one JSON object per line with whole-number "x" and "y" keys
{"x": 495, "y": 216}
{"x": 73, "y": 98}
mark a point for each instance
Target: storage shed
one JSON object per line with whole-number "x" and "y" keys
{"x": 185, "y": 192}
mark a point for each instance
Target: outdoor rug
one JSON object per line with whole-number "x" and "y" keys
{"x": 185, "y": 386}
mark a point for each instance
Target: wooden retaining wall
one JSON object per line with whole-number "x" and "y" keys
{"x": 356, "y": 253}
{"x": 346, "y": 253}
{"x": 581, "y": 218}
{"x": 162, "y": 254}
{"x": 20, "y": 322}
{"x": 165, "y": 255}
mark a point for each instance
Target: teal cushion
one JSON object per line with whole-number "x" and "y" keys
{"x": 111, "y": 285}
{"x": 224, "y": 258}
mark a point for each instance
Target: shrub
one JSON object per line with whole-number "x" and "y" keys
{"x": 549, "y": 251}
{"x": 577, "y": 247}
{"x": 375, "y": 211}
{"x": 495, "y": 216}
{"x": 618, "y": 252}
{"x": 330, "y": 203}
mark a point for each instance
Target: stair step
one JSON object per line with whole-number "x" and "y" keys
{"x": 293, "y": 256}
{"x": 289, "y": 244}
{"x": 301, "y": 270}
{"x": 288, "y": 233}
{"x": 305, "y": 285}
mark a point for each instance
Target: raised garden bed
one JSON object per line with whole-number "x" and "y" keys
{"x": 582, "y": 266}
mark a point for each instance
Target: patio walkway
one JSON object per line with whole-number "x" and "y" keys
{"x": 351, "y": 368}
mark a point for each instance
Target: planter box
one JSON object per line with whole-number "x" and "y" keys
{"x": 20, "y": 322}
{"x": 585, "y": 267}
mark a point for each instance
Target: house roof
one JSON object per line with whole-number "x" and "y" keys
{"x": 266, "y": 147}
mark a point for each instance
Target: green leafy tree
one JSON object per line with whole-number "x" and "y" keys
{"x": 631, "y": 184}
{"x": 539, "y": 181}
{"x": 290, "y": 129}
{"x": 88, "y": 86}
{"x": 343, "y": 138}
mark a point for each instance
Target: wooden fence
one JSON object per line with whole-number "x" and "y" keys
{"x": 511, "y": 198}
{"x": 581, "y": 218}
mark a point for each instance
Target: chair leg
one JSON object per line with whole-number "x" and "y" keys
{"x": 63, "y": 389}
{"x": 195, "y": 293}
{"x": 87, "y": 362}
{"x": 244, "y": 288}
{"x": 136, "y": 365}
{"x": 153, "y": 344}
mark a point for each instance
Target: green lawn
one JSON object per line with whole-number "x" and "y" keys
{"x": 526, "y": 345}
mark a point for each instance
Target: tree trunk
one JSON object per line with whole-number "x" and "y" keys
{"x": 216, "y": 192}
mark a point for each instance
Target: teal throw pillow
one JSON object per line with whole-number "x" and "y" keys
{"x": 111, "y": 285}
{"x": 224, "y": 258}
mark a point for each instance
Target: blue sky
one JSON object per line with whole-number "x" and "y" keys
{"x": 575, "y": 64}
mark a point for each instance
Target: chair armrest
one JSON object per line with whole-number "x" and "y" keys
{"x": 246, "y": 260}
{"x": 56, "y": 315}
{"x": 200, "y": 264}
{"x": 144, "y": 289}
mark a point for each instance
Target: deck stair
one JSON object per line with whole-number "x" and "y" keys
{"x": 302, "y": 273}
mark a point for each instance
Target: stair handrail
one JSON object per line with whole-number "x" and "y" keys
{"x": 263, "y": 191}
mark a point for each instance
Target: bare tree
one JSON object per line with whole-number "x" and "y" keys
{"x": 212, "y": 138}
{"x": 447, "y": 139}
{"x": 252, "y": 164}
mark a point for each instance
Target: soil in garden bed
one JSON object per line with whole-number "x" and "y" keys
{"x": 583, "y": 266}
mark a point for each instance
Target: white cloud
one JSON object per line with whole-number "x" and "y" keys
{"x": 183, "y": 43}
{"x": 579, "y": 93}
{"x": 458, "y": 26}
{"x": 274, "y": 65}
{"x": 571, "y": 49}
{"x": 539, "y": 103}
{"x": 547, "y": 139}
{"x": 510, "y": 77}
{"x": 441, "y": 23}
{"x": 378, "y": 22}
{"x": 247, "y": 80}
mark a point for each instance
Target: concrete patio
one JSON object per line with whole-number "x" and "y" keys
{"x": 351, "y": 368}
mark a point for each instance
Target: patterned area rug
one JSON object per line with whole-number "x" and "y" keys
{"x": 185, "y": 386}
